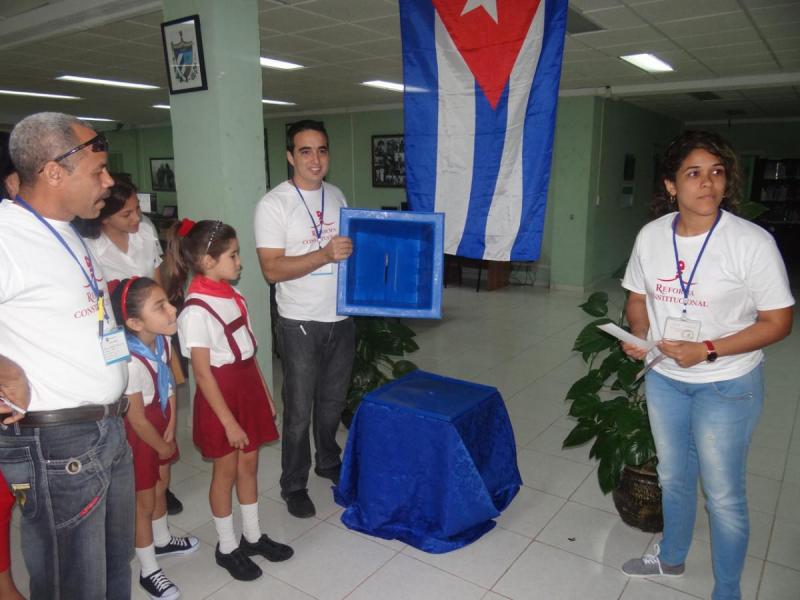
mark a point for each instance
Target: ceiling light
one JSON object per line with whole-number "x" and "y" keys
{"x": 164, "y": 106}
{"x": 272, "y": 63}
{"x": 384, "y": 85}
{"x": 278, "y": 102}
{"x": 97, "y": 119}
{"x": 647, "y": 62}
{"x": 109, "y": 82}
{"x": 39, "y": 95}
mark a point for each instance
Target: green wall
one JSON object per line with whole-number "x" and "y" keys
{"x": 137, "y": 147}
{"x": 767, "y": 140}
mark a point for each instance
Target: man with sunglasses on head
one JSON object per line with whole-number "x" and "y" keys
{"x": 63, "y": 449}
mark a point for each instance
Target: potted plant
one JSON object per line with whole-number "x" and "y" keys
{"x": 610, "y": 407}
{"x": 381, "y": 344}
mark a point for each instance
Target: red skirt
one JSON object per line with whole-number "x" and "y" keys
{"x": 246, "y": 397}
{"x": 6, "y": 506}
{"x": 145, "y": 458}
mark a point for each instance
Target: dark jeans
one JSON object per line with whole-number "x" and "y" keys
{"x": 317, "y": 360}
{"x": 78, "y": 514}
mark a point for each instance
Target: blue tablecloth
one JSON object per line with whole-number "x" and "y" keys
{"x": 430, "y": 461}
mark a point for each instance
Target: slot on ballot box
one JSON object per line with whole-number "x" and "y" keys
{"x": 396, "y": 266}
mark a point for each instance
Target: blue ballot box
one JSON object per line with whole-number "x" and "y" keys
{"x": 430, "y": 461}
{"x": 396, "y": 266}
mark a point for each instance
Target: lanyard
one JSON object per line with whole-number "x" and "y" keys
{"x": 317, "y": 230}
{"x": 90, "y": 278}
{"x": 685, "y": 286}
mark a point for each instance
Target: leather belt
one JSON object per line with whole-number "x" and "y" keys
{"x": 79, "y": 414}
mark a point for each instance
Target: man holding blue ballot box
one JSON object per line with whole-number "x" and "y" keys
{"x": 299, "y": 248}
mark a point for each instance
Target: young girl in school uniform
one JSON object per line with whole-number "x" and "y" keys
{"x": 141, "y": 305}
{"x": 233, "y": 411}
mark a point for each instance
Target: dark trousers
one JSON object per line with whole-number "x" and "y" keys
{"x": 317, "y": 361}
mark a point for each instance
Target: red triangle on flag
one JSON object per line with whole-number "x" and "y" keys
{"x": 490, "y": 49}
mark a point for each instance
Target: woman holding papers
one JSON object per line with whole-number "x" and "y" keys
{"x": 712, "y": 289}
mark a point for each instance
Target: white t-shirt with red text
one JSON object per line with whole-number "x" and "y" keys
{"x": 48, "y": 315}
{"x": 282, "y": 221}
{"x": 740, "y": 273}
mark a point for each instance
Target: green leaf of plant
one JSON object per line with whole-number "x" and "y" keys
{"x": 580, "y": 434}
{"x": 608, "y": 472}
{"x": 627, "y": 372}
{"x": 591, "y": 339}
{"x": 403, "y": 367}
{"x": 751, "y": 210}
{"x": 585, "y": 407}
{"x": 588, "y": 384}
{"x": 596, "y": 305}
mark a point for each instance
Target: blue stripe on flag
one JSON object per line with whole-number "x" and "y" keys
{"x": 490, "y": 134}
{"x": 421, "y": 101}
{"x": 538, "y": 134}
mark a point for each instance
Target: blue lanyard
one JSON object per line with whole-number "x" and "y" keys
{"x": 686, "y": 286}
{"x": 90, "y": 278}
{"x": 317, "y": 230}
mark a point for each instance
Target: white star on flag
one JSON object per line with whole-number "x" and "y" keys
{"x": 490, "y": 6}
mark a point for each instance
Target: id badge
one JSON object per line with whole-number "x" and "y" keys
{"x": 115, "y": 348}
{"x": 326, "y": 269}
{"x": 681, "y": 330}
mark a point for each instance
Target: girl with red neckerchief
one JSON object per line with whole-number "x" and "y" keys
{"x": 233, "y": 410}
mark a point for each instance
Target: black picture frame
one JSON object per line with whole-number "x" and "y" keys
{"x": 183, "y": 55}
{"x": 162, "y": 174}
{"x": 388, "y": 161}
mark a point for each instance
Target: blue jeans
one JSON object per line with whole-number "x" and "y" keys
{"x": 317, "y": 360}
{"x": 78, "y": 514}
{"x": 705, "y": 429}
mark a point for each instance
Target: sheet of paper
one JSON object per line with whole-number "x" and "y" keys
{"x": 621, "y": 334}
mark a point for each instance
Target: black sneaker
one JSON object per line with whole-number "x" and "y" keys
{"x": 269, "y": 549}
{"x": 238, "y": 564}
{"x": 174, "y": 506}
{"x": 332, "y": 473}
{"x": 159, "y": 587}
{"x": 178, "y": 546}
{"x": 299, "y": 504}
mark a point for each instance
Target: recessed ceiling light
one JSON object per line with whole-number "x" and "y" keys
{"x": 109, "y": 82}
{"x": 278, "y": 102}
{"x": 647, "y": 62}
{"x": 273, "y": 63}
{"x": 384, "y": 85}
{"x": 164, "y": 106}
{"x": 39, "y": 95}
{"x": 97, "y": 119}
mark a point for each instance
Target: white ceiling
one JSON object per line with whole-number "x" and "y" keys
{"x": 746, "y": 51}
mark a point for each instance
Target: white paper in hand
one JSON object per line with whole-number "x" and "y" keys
{"x": 628, "y": 338}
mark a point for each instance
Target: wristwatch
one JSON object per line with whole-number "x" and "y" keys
{"x": 712, "y": 352}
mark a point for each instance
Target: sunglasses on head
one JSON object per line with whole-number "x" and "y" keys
{"x": 99, "y": 143}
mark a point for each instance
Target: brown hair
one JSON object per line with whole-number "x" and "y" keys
{"x": 136, "y": 291}
{"x": 676, "y": 153}
{"x": 184, "y": 253}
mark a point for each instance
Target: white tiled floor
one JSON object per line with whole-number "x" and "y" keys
{"x": 560, "y": 539}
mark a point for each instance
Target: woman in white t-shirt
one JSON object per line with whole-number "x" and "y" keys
{"x": 121, "y": 239}
{"x": 712, "y": 288}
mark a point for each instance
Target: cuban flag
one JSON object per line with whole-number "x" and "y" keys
{"x": 481, "y": 89}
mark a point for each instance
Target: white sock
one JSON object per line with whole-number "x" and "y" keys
{"x": 147, "y": 558}
{"x": 250, "y": 526}
{"x": 161, "y": 534}
{"x": 227, "y": 538}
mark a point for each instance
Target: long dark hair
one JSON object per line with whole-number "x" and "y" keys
{"x": 676, "y": 153}
{"x": 184, "y": 253}
{"x": 118, "y": 195}
{"x": 136, "y": 290}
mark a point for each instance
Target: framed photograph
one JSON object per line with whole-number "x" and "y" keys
{"x": 388, "y": 161}
{"x": 162, "y": 174}
{"x": 183, "y": 55}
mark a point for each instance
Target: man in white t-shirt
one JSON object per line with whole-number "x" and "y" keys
{"x": 63, "y": 449}
{"x": 299, "y": 247}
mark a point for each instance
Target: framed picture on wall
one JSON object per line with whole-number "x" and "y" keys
{"x": 183, "y": 55}
{"x": 162, "y": 174}
{"x": 388, "y": 161}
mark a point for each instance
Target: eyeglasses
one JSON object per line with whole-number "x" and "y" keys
{"x": 99, "y": 143}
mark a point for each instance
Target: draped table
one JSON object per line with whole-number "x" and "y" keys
{"x": 430, "y": 461}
